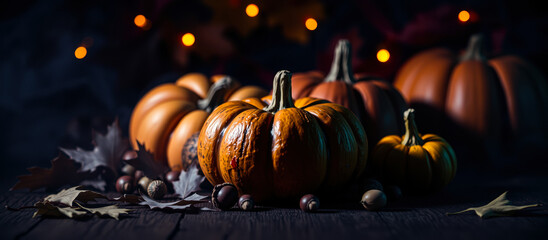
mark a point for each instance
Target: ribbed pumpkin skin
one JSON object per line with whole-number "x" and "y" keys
{"x": 425, "y": 166}
{"x": 503, "y": 100}
{"x": 166, "y": 116}
{"x": 376, "y": 102}
{"x": 283, "y": 153}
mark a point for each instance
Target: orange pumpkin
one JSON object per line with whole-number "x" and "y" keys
{"x": 284, "y": 149}
{"x": 374, "y": 101}
{"x": 169, "y": 114}
{"x": 418, "y": 163}
{"x": 499, "y": 100}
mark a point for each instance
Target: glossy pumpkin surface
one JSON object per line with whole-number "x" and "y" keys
{"x": 420, "y": 163}
{"x": 282, "y": 149}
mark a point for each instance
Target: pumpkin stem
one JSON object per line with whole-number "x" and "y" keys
{"x": 475, "y": 49}
{"x": 216, "y": 94}
{"x": 281, "y": 92}
{"x": 341, "y": 68}
{"x": 412, "y": 136}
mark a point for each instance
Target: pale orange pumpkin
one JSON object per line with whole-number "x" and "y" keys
{"x": 169, "y": 114}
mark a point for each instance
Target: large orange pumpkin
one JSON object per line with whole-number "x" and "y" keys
{"x": 502, "y": 98}
{"x": 374, "y": 101}
{"x": 170, "y": 113}
{"x": 284, "y": 149}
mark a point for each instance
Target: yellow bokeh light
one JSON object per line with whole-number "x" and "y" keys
{"x": 188, "y": 39}
{"x": 464, "y": 16}
{"x": 383, "y": 55}
{"x": 252, "y": 10}
{"x": 80, "y": 52}
{"x": 140, "y": 21}
{"x": 311, "y": 24}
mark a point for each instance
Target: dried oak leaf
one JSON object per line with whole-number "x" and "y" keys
{"x": 177, "y": 205}
{"x": 189, "y": 182}
{"x": 68, "y": 196}
{"x": 50, "y": 210}
{"x": 111, "y": 211}
{"x": 145, "y": 162}
{"x": 497, "y": 208}
{"x": 107, "y": 152}
{"x": 63, "y": 171}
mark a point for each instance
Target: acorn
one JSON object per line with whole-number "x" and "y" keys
{"x": 373, "y": 200}
{"x": 125, "y": 184}
{"x": 224, "y": 196}
{"x": 142, "y": 184}
{"x": 157, "y": 189}
{"x": 246, "y": 202}
{"x": 309, "y": 203}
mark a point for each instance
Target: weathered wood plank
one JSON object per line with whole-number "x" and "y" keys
{"x": 15, "y": 223}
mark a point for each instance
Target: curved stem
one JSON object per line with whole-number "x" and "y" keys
{"x": 216, "y": 94}
{"x": 412, "y": 136}
{"x": 341, "y": 68}
{"x": 475, "y": 49}
{"x": 281, "y": 92}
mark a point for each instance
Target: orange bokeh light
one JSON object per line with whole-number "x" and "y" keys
{"x": 311, "y": 24}
{"x": 252, "y": 10}
{"x": 464, "y": 16}
{"x": 188, "y": 39}
{"x": 80, "y": 52}
{"x": 140, "y": 21}
{"x": 383, "y": 55}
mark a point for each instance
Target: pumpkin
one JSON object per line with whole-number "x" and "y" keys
{"x": 284, "y": 149}
{"x": 414, "y": 162}
{"x": 374, "y": 101}
{"x": 501, "y": 100}
{"x": 169, "y": 114}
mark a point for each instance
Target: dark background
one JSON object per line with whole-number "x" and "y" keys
{"x": 48, "y": 98}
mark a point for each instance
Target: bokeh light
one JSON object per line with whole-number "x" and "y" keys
{"x": 311, "y": 24}
{"x": 140, "y": 21}
{"x": 252, "y": 10}
{"x": 80, "y": 52}
{"x": 383, "y": 55}
{"x": 188, "y": 39}
{"x": 464, "y": 16}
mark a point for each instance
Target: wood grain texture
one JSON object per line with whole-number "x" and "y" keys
{"x": 412, "y": 217}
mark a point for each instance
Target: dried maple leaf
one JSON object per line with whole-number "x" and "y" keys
{"x": 68, "y": 196}
{"x": 63, "y": 171}
{"x": 177, "y": 205}
{"x": 189, "y": 182}
{"x": 145, "y": 162}
{"x": 497, "y": 208}
{"x": 107, "y": 152}
{"x": 112, "y": 211}
{"x": 49, "y": 210}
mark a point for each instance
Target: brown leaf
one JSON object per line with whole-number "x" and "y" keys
{"x": 107, "y": 152}
{"x": 189, "y": 182}
{"x": 145, "y": 162}
{"x": 68, "y": 196}
{"x": 63, "y": 171}
{"x": 111, "y": 211}
{"x": 497, "y": 208}
{"x": 49, "y": 210}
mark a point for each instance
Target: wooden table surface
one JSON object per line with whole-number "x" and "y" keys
{"x": 412, "y": 216}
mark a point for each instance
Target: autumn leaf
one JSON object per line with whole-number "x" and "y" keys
{"x": 50, "y": 210}
{"x": 497, "y": 208}
{"x": 63, "y": 171}
{"x": 107, "y": 152}
{"x": 68, "y": 196}
{"x": 189, "y": 182}
{"x": 145, "y": 162}
{"x": 111, "y": 211}
{"x": 177, "y": 205}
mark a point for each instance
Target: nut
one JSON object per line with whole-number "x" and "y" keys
{"x": 373, "y": 200}
{"x": 246, "y": 202}
{"x": 124, "y": 184}
{"x": 224, "y": 196}
{"x": 309, "y": 203}
{"x": 156, "y": 189}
